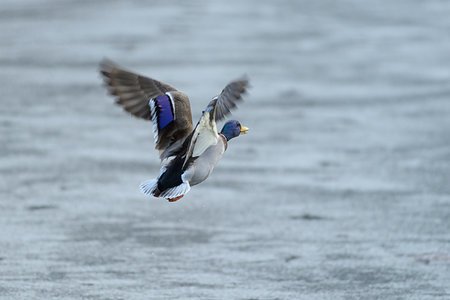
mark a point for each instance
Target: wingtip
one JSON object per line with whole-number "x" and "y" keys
{"x": 105, "y": 68}
{"x": 245, "y": 77}
{"x": 106, "y": 65}
{"x": 243, "y": 83}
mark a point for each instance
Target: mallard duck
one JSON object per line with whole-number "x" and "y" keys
{"x": 188, "y": 154}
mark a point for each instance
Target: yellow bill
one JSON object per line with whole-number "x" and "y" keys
{"x": 244, "y": 129}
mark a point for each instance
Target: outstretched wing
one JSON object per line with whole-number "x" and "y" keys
{"x": 133, "y": 91}
{"x": 228, "y": 98}
{"x": 150, "y": 99}
{"x": 205, "y": 133}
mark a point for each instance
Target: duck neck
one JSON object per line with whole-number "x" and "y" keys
{"x": 225, "y": 140}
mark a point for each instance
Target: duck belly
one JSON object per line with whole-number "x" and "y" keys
{"x": 205, "y": 163}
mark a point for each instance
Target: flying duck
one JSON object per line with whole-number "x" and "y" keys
{"x": 188, "y": 154}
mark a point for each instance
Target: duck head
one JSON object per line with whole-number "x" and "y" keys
{"x": 232, "y": 129}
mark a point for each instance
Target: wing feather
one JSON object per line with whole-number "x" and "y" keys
{"x": 134, "y": 92}
{"x": 229, "y": 97}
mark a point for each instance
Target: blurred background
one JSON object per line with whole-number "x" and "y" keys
{"x": 341, "y": 189}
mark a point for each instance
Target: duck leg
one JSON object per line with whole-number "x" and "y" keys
{"x": 175, "y": 199}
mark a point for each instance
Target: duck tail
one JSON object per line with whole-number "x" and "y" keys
{"x": 176, "y": 191}
{"x": 150, "y": 187}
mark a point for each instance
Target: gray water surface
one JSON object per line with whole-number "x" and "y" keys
{"x": 341, "y": 190}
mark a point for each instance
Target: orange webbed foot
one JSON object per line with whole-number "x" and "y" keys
{"x": 175, "y": 199}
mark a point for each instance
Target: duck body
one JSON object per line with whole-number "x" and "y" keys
{"x": 202, "y": 167}
{"x": 174, "y": 175}
{"x": 188, "y": 154}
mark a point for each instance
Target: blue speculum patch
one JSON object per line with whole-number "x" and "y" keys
{"x": 164, "y": 111}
